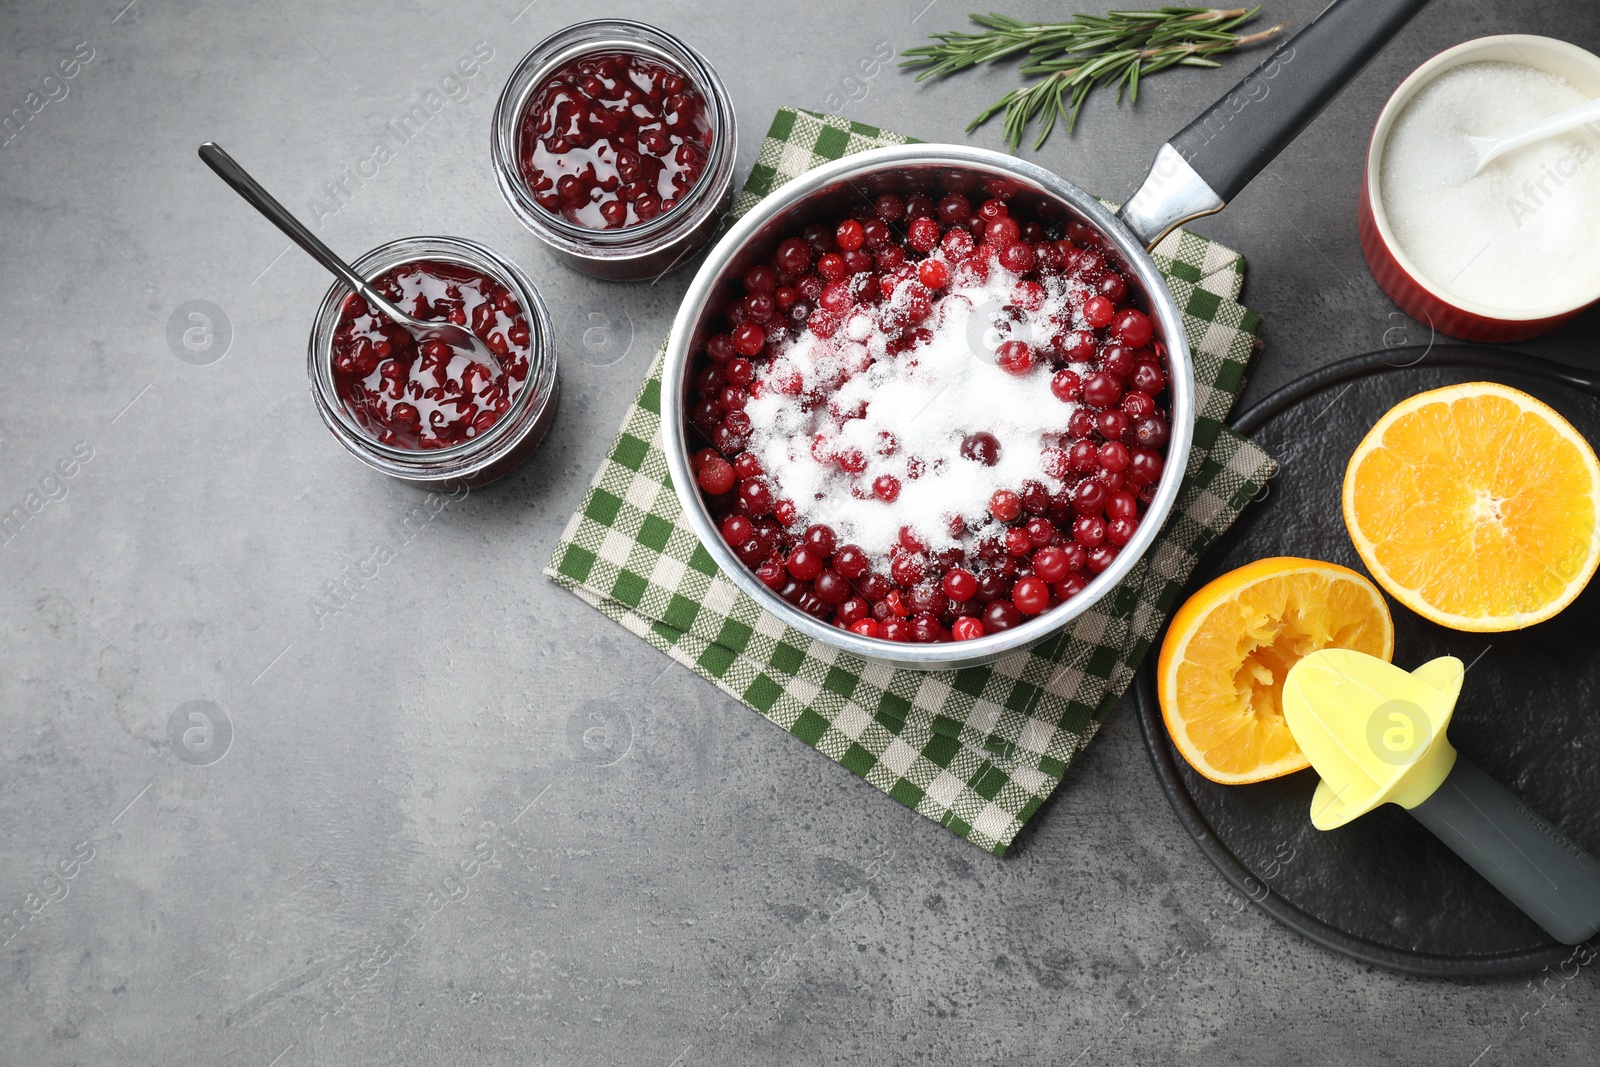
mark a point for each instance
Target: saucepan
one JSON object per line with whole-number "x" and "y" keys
{"x": 1196, "y": 173}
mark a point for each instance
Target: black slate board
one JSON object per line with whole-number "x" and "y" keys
{"x": 1383, "y": 889}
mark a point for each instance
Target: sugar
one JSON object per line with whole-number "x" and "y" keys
{"x": 1522, "y": 233}
{"x": 928, "y": 399}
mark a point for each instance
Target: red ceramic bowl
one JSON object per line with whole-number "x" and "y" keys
{"x": 1417, "y": 295}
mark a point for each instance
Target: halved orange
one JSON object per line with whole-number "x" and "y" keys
{"x": 1229, "y": 648}
{"x": 1476, "y": 506}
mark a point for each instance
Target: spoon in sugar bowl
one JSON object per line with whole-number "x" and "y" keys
{"x": 455, "y": 337}
{"x": 1490, "y": 149}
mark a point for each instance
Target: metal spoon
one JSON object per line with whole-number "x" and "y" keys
{"x": 459, "y": 339}
{"x": 1490, "y": 149}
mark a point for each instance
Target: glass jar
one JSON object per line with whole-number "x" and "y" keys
{"x": 483, "y": 458}
{"x": 646, "y": 249}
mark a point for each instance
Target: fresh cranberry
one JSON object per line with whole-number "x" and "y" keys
{"x": 1017, "y": 542}
{"x": 874, "y": 586}
{"x": 1118, "y": 361}
{"x": 1137, "y": 404}
{"x": 749, "y": 338}
{"x": 756, "y": 497}
{"x": 1001, "y": 232}
{"x": 1031, "y": 595}
{"x": 967, "y": 628}
{"x": 981, "y": 447}
{"x": 954, "y": 208}
{"x": 1132, "y": 328}
{"x": 1070, "y": 586}
{"x": 614, "y": 139}
{"x": 716, "y": 477}
{"x": 934, "y": 274}
{"x": 850, "y": 561}
{"x": 867, "y": 628}
{"x": 1034, "y": 496}
{"x": 960, "y": 584}
{"x": 737, "y": 529}
{"x": 760, "y": 279}
{"x": 1089, "y": 498}
{"x": 1015, "y": 357}
{"x": 1101, "y": 390}
{"x": 1076, "y": 346}
{"x": 1151, "y": 431}
{"x": 852, "y": 609}
{"x": 820, "y": 539}
{"x": 1112, "y": 456}
{"x": 1098, "y": 311}
{"x": 1017, "y": 257}
{"x": 805, "y": 563}
{"x": 746, "y": 465}
{"x": 1112, "y": 424}
{"x": 850, "y": 235}
{"x": 925, "y": 629}
{"x": 1088, "y": 530}
{"x": 1145, "y": 466}
{"x": 886, "y": 487}
{"x": 924, "y": 598}
{"x": 772, "y": 574}
{"x": 1067, "y": 386}
{"x": 793, "y": 255}
{"x": 908, "y": 568}
{"x": 1112, "y": 286}
{"x": 923, "y": 234}
{"x": 1148, "y": 377}
{"x": 1100, "y": 558}
{"x": 830, "y": 586}
{"x": 897, "y": 630}
{"x": 1005, "y": 505}
{"x": 1050, "y": 563}
{"x": 1000, "y": 615}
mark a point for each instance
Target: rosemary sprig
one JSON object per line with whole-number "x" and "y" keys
{"x": 1116, "y": 49}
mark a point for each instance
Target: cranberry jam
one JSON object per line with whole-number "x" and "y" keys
{"x": 881, "y": 469}
{"x": 429, "y": 396}
{"x": 614, "y": 139}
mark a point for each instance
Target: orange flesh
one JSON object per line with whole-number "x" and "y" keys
{"x": 1477, "y": 511}
{"x": 1230, "y": 648}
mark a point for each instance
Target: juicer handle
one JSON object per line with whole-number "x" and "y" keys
{"x": 1544, "y": 873}
{"x": 1216, "y": 155}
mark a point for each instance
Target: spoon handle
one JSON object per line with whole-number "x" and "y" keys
{"x": 1492, "y": 148}
{"x": 264, "y": 202}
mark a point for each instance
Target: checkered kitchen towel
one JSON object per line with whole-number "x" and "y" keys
{"x": 977, "y": 750}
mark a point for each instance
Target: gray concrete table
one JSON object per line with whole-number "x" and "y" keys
{"x": 466, "y": 819}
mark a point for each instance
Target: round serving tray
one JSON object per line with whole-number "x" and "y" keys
{"x": 1383, "y": 889}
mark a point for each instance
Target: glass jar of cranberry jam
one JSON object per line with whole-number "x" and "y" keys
{"x": 421, "y": 412}
{"x": 614, "y": 142}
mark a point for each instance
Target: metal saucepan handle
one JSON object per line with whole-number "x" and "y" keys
{"x": 1216, "y": 155}
{"x": 1544, "y": 873}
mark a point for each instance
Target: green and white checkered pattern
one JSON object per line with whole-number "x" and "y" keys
{"x": 977, "y": 750}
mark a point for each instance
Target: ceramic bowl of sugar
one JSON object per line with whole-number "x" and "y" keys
{"x": 1510, "y": 252}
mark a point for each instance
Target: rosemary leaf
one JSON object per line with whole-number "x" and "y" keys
{"x": 1071, "y": 59}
